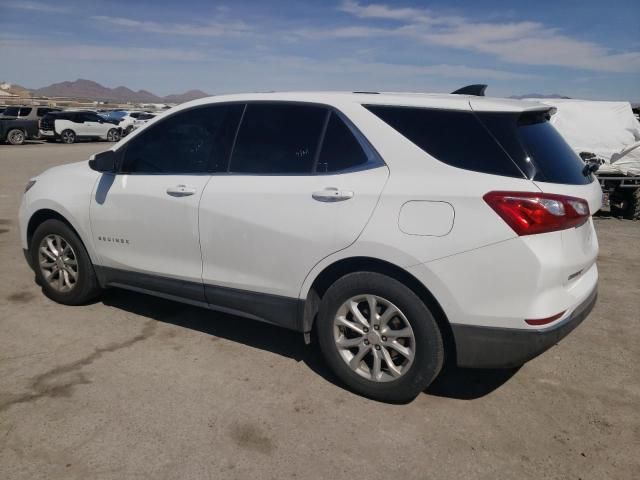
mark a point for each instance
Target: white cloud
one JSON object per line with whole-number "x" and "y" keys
{"x": 95, "y": 53}
{"x": 33, "y": 6}
{"x": 210, "y": 29}
{"x": 528, "y": 43}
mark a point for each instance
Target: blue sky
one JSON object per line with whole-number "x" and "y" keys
{"x": 586, "y": 48}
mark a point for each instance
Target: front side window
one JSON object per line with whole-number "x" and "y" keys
{"x": 193, "y": 141}
{"x": 278, "y": 139}
{"x": 11, "y": 112}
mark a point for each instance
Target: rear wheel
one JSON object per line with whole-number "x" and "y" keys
{"x": 379, "y": 338}
{"x": 16, "y": 136}
{"x": 113, "y": 135}
{"x": 68, "y": 136}
{"x": 62, "y": 265}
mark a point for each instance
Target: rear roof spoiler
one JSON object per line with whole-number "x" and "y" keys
{"x": 476, "y": 90}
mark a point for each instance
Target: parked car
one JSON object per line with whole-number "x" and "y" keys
{"x": 404, "y": 229}
{"x": 142, "y": 119}
{"x": 127, "y": 122}
{"x": 27, "y": 113}
{"x": 18, "y": 124}
{"x": 70, "y": 126}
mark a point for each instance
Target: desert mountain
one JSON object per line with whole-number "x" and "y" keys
{"x": 88, "y": 89}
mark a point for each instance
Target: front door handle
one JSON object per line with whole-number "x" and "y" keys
{"x": 332, "y": 194}
{"x": 181, "y": 191}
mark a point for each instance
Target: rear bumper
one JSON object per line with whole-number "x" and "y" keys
{"x": 490, "y": 347}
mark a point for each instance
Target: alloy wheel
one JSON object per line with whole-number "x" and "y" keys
{"x": 58, "y": 263}
{"x": 374, "y": 338}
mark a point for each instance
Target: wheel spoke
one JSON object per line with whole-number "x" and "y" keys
{"x": 401, "y": 349}
{"x": 357, "y": 358}
{"x": 400, "y": 333}
{"x": 373, "y": 311}
{"x": 388, "y": 314}
{"x": 342, "y": 321}
{"x": 392, "y": 367}
{"x": 45, "y": 251}
{"x": 73, "y": 274}
{"x": 345, "y": 342}
{"x": 376, "y": 371}
{"x": 357, "y": 314}
{"x": 52, "y": 247}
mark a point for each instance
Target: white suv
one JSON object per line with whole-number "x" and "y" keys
{"x": 404, "y": 229}
{"x": 69, "y": 126}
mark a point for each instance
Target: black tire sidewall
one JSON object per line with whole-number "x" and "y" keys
{"x": 429, "y": 346}
{"x": 87, "y": 285}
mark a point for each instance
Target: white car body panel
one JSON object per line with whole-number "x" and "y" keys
{"x": 160, "y": 231}
{"x": 266, "y": 234}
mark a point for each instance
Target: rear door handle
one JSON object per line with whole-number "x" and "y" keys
{"x": 332, "y": 194}
{"x": 180, "y": 191}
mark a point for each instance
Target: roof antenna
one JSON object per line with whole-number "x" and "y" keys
{"x": 476, "y": 90}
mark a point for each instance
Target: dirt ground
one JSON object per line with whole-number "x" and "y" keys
{"x": 138, "y": 387}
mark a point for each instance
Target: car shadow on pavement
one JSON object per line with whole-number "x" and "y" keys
{"x": 453, "y": 382}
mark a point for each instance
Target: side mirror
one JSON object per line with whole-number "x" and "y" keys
{"x": 103, "y": 161}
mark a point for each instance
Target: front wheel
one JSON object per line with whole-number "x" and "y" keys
{"x": 68, "y": 136}
{"x": 379, "y": 338}
{"x": 113, "y": 135}
{"x": 62, "y": 265}
{"x": 16, "y": 137}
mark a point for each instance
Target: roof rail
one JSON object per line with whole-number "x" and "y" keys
{"x": 476, "y": 90}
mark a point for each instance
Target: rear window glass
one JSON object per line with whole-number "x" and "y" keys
{"x": 278, "y": 139}
{"x": 537, "y": 147}
{"x": 456, "y": 138}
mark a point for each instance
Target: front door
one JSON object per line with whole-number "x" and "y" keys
{"x": 144, "y": 219}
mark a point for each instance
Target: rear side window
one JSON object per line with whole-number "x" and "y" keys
{"x": 278, "y": 139}
{"x": 456, "y": 138}
{"x": 11, "y": 111}
{"x": 189, "y": 142}
{"x": 537, "y": 147}
{"x": 340, "y": 148}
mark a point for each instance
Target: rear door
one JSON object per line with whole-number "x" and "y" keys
{"x": 301, "y": 185}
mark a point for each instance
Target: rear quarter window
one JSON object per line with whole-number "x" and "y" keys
{"x": 454, "y": 137}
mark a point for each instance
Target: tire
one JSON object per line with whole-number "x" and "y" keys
{"x": 68, "y": 136}
{"x": 54, "y": 237}
{"x": 632, "y": 211}
{"x": 16, "y": 136}
{"x": 128, "y": 130}
{"x": 113, "y": 135}
{"x": 410, "y": 376}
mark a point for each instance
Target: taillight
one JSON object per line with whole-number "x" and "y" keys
{"x": 528, "y": 213}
